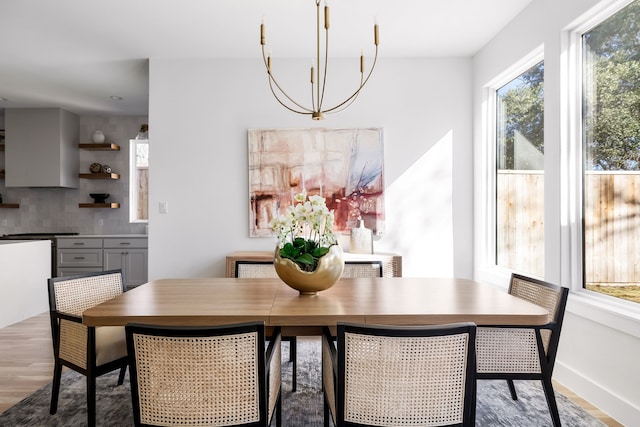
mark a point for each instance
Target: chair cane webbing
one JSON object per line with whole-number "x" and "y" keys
{"x": 275, "y": 376}
{"x": 204, "y": 376}
{"x": 404, "y": 381}
{"x": 197, "y": 381}
{"x": 400, "y": 376}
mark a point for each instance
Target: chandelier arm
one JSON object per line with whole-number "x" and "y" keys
{"x": 319, "y": 106}
{"x": 326, "y": 64}
{"x": 275, "y": 95}
{"x": 273, "y": 81}
{"x": 347, "y": 103}
{"x": 357, "y": 92}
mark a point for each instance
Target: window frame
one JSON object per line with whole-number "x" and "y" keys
{"x": 488, "y": 269}
{"x": 614, "y": 312}
{"x": 133, "y": 188}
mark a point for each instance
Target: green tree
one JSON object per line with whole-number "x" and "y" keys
{"x": 522, "y": 105}
{"x": 612, "y": 84}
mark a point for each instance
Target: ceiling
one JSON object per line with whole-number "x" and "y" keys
{"x": 78, "y": 54}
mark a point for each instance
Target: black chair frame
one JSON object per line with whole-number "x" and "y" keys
{"x": 92, "y": 371}
{"x": 547, "y": 360}
{"x": 264, "y": 359}
{"x": 337, "y": 362}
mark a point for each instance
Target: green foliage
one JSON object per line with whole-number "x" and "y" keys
{"x": 521, "y": 103}
{"x": 305, "y": 253}
{"x": 612, "y": 104}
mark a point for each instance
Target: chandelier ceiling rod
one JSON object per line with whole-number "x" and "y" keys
{"x": 318, "y": 80}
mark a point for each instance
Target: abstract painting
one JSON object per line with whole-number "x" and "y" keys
{"x": 345, "y": 166}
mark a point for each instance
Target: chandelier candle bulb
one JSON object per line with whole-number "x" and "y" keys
{"x": 361, "y": 63}
{"x": 375, "y": 34}
{"x": 326, "y": 16}
{"x": 262, "y": 41}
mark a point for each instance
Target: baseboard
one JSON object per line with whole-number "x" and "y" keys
{"x": 608, "y": 402}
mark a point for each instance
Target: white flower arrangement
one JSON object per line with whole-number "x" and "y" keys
{"x": 305, "y": 231}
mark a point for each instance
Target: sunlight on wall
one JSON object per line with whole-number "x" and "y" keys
{"x": 420, "y": 202}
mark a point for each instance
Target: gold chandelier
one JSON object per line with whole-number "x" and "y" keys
{"x": 318, "y": 79}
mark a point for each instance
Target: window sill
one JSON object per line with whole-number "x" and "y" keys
{"x": 620, "y": 315}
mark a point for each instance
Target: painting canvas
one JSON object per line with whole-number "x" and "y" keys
{"x": 345, "y": 166}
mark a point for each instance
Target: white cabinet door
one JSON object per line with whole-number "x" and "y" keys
{"x": 133, "y": 263}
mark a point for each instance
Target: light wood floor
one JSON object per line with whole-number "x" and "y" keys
{"x": 26, "y": 364}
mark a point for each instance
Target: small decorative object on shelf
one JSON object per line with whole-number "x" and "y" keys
{"x": 98, "y": 137}
{"x": 106, "y": 169}
{"x": 143, "y": 133}
{"x": 99, "y": 197}
{"x": 307, "y": 257}
{"x": 95, "y": 168}
{"x": 361, "y": 241}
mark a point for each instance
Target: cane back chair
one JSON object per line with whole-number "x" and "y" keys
{"x": 399, "y": 376}
{"x": 525, "y": 352}
{"x": 201, "y": 376}
{"x": 91, "y": 351}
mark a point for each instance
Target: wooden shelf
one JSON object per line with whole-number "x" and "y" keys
{"x": 100, "y": 205}
{"x": 100, "y": 147}
{"x": 9, "y": 205}
{"x": 113, "y": 176}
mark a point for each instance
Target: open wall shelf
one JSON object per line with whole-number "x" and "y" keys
{"x": 100, "y": 205}
{"x": 100, "y": 147}
{"x": 113, "y": 176}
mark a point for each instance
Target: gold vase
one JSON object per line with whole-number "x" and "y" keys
{"x": 327, "y": 273}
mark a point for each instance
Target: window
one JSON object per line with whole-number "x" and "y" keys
{"x": 611, "y": 154}
{"x": 519, "y": 210}
{"x": 139, "y": 180}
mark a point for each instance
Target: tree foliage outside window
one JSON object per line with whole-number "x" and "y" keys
{"x": 521, "y": 112}
{"x": 612, "y": 92}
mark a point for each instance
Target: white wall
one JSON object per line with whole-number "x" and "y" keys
{"x": 199, "y": 114}
{"x": 599, "y": 347}
{"x": 24, "y": 270}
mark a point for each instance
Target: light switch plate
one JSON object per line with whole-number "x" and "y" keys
{"x": 164, "y": 207}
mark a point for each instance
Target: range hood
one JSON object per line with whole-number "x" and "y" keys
{"x": 41, "y": 148}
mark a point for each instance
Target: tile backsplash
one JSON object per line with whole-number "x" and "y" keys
{"x": 57, "y": 210}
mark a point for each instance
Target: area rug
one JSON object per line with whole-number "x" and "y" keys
{"x": 300, "y": 409}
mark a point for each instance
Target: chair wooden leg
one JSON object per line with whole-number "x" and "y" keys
{"x": 55, "y": 387}
{"x": 293, "y": 354}
{"x": 551, "y": 402}
{"x": 91, "y": 401}
{"x": 123, "y": 371}
{"x": 512, "y": 390}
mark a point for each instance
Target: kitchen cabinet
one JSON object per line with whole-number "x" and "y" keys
{"x": 131, "y": 255}
{"x": 85, "y": 254}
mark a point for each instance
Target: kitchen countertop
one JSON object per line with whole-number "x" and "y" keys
{"x": 83, "y": 236}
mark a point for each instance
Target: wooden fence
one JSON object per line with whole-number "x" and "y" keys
{"x": 611, "y": 224}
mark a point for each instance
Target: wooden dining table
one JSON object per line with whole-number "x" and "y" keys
{"x": 385, "y": 301}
